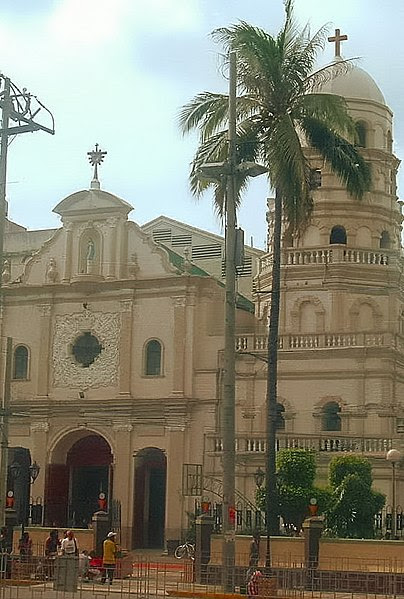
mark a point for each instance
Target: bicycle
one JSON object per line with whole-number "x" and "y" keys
{"x": 185, "y": 550}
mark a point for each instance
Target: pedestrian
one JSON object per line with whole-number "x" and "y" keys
{"x": 254, "y": 583}
{"x": 69, "y": 545}
{"x": 110, "y": 550}
{"x": 52, "y": 545}
{"x": 25, "y": 547}
{"x": 255, "y": 550}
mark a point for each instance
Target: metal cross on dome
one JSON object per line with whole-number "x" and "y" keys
{"x": 337, "y": 38}
{"x": 95, "y": 158}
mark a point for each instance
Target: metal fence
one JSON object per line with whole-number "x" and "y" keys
{"x": 143, "y": 577}
{"x": 247, "y": 520}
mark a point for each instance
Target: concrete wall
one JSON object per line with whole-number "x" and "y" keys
{"x": 335, "y": 554}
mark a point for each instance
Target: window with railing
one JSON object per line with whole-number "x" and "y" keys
{"x": 338, "y": 235}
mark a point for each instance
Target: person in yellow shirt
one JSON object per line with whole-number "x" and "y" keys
{"x": 110, "y": 549}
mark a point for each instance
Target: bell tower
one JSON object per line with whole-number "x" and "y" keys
{"x": 341, "y": 321}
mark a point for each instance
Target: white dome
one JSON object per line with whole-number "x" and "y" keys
{"x": 356, "y": 83}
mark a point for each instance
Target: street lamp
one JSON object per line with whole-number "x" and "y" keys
{"x": 393, "y": 456}
{"x": 226, "y": 171}
{"x": 34, "y": 470}
{"x": 259, "y": 476}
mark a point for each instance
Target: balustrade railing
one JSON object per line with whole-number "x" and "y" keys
{"x": 335, "y": 254}
{"x": 256, "y": 343}
{"x": 321, "y": 443}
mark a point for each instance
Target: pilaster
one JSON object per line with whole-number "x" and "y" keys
{"x": 112, "y": 254}
{"x": 123, "y": 482}
{"x": 125, "y": 354}
{"x": 174, "y": 497}
{"x": 45, "y": 311}
{"x": 179, "y": 336}
{"x": 67, "y": 267}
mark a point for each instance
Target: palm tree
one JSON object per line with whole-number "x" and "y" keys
{"x": 279, "y": 113}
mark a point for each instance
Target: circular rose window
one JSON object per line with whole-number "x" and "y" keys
{"x": 86, "y": 349}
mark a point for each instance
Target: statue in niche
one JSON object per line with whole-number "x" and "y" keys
{"x": 90, "y": 257}
{"x": 6, "y": 274}
{"x": 90, "y": 250}
{"x": 52, "y": 273}
{"x": 133, "y": 267}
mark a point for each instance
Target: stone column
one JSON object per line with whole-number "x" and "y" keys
{"x": 122, "y": 252}
{"x": 339, "y": 321}
{"x": 125, "y": 353}
{"x": 124, "y": 479}
{"x": 42, "y": 386}
{"x": 112, "y": 254}
{"x": 312, "y": 529}
{"x": 67, "y": 267}
{"x": 179, "y": 345}
{"x": 203, "y": 529}
{"x": 189, "y": 345}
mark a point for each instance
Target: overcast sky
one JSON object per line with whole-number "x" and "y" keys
{"x": 117, "y": 71}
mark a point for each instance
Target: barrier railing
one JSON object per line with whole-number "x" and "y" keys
{"x": 204, "y": 577}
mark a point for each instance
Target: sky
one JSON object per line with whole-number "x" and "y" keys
{"x": 117, "y": 72}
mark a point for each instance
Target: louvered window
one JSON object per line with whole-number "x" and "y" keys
{"x": 181, "y": 240}
{"x": 246, "y": 269}
{"x": 206, "y": 252}
{"x": 241, "y": 271}
{"x": 162, "y": 235}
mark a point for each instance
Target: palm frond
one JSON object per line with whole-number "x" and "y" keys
{"x": 343, "y": 157}
{"x": 329, "y": 109}
{"x": 289, "y": 171}
{"x": 315, "y": 81}
{"x": 206, "y": 111}
{"x": 258, "y": 60}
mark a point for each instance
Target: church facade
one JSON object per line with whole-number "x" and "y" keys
{"x": 116, "y": 369}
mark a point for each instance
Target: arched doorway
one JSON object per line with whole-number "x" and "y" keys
{"x": 79, "y": 471}
{"x": 150, "y": 498}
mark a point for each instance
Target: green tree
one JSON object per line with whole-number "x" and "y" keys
{"x": 354, "y": 504}
{"x": 296, "y": 472}
{"x": 279, "y": 112}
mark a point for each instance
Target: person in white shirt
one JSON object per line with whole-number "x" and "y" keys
{"x": 69, "y": 545}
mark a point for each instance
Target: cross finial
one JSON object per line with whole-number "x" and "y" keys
{"x": 95, "y": 158}
{"x": 338, "y": 38}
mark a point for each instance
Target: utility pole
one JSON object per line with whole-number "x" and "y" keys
{"x": 217, "y": 171}
{"x": 19, "y": 111}
{"x": 229, "y": 393}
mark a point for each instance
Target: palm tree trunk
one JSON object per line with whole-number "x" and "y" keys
{"x": 271, "y": 506}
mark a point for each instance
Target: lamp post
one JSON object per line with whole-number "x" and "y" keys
{"x": 393, "y": 456}
{"x": 259, "y": 476}
{"x": 227, "y": 171}
{"x": 21, "y": 112}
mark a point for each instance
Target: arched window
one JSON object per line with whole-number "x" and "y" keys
{"x": 360, "y": 127}
{"x": 338, "y": 235}
{"x": 280, "y": 419}
{"x": 331, "y": 417}
{"x": 385, "y": 243}
{"x": 20, "y": 371}
{"x": 153, "y": 358}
